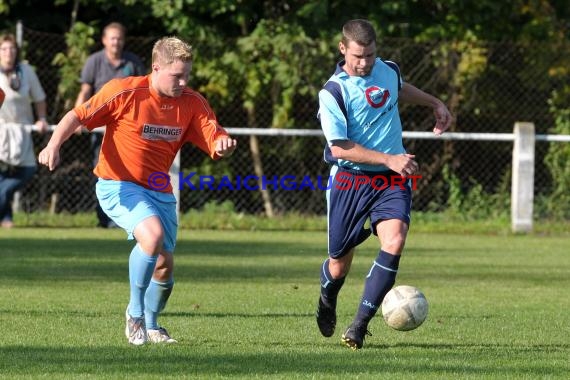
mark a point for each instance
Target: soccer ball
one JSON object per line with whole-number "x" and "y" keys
{"x": 404, "y": 308}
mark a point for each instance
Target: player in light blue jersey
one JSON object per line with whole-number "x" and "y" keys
{"x": 358, "y": 111}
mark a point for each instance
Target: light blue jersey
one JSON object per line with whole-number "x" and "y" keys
{"x": 363, "y": 110}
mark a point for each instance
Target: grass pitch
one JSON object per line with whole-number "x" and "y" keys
{"x": 243, "y": 307}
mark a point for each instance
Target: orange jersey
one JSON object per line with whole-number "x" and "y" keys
{"x": 144, "y": 130}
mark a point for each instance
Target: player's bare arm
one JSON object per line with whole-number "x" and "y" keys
{"x": 84, "y": 94}
{"x": 403, "y": 164}
{"x": 225, "y": 146}
{"x": 49, "y": 156}
{"x": 412, "y": 94}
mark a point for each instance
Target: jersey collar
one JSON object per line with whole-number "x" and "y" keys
{"x": 339, "y": 70}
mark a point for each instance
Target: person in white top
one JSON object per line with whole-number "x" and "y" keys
{"x": 22, "y": 88}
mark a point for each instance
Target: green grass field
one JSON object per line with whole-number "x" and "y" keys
{"x": 244, "y": 302}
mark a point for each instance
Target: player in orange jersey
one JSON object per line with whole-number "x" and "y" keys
{"x": 148, "y": 119}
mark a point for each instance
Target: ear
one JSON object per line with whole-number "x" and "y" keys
{"x": 342, "y": 48}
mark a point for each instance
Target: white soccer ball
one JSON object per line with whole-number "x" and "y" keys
{"x": 404, "y": 308}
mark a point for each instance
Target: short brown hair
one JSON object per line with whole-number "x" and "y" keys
{"x": 9, "y": 37}
{"x": 115, "y": 25}
{"x": 360, "y": 31}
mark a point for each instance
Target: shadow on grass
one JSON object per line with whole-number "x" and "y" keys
{"x": 91, "y": 259}
{"x": 88, "y": 260}
{"x": 199, "y": 260}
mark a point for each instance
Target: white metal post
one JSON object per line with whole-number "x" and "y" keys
{"x": 522, "y": 187}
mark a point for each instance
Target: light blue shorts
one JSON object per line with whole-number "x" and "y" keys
{"x": 128, "y": 204}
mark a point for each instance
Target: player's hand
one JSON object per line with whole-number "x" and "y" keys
{"x": 443, "y": 119}
{"x": 49, "y": 157}
{"x": 225, "y": 146}
{"x": 42, "y": 125}
{"x": 403, "y": 164}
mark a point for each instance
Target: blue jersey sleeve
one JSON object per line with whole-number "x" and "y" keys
{"x": 332, "y": 113}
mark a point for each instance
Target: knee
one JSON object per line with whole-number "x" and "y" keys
{"x": 340, "y": 267}
{"x": 150, "y": 235}
{"x": 394, "y": 244}
{"x": 337, "y": 270}
{"x": 151, "y": 243}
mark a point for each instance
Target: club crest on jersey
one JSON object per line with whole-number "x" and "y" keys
{"x": 161, "y": 132}
{"x": 376, "y": 96}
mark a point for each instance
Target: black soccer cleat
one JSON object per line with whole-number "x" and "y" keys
{"x": 354, "y": 335}
{"x": 326, "y": 318}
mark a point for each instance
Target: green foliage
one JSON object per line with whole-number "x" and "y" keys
{"x": 557, "y": 158}
{"x": 79, "y": 41}
{"x": 4, "y": 7}
{"x": 275, "y": 57}
{"x": 472, "y": 62}
{"x": 461, "y": 63}
{"x": 273, "y": 65}
{"x": 438, "y": 19}
{"x": 472, "y": 202}
{"x": 199, "y": 20}
{"x": 455, "y": 197}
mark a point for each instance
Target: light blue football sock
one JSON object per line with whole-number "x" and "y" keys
{"x": 141, "y": 267}
{"x": 155, "y": 300}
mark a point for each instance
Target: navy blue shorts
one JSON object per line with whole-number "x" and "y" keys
{"x": 353, "y": 197}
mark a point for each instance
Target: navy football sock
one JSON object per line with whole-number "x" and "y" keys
{"x": 379, "y": 281}
{"x": 330, "y": 287}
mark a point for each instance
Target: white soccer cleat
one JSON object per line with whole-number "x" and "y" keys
{"x": 135, "y": 329}
{"x": 159, "y": 336}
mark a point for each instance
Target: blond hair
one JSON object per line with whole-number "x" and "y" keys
{"x": 170, "y": 49}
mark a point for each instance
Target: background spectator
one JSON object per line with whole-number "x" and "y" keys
{"x": 110, "y": 62}
{"x": 21, "y": 87}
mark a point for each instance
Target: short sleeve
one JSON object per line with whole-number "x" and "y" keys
{"x": 37, "y": 92}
